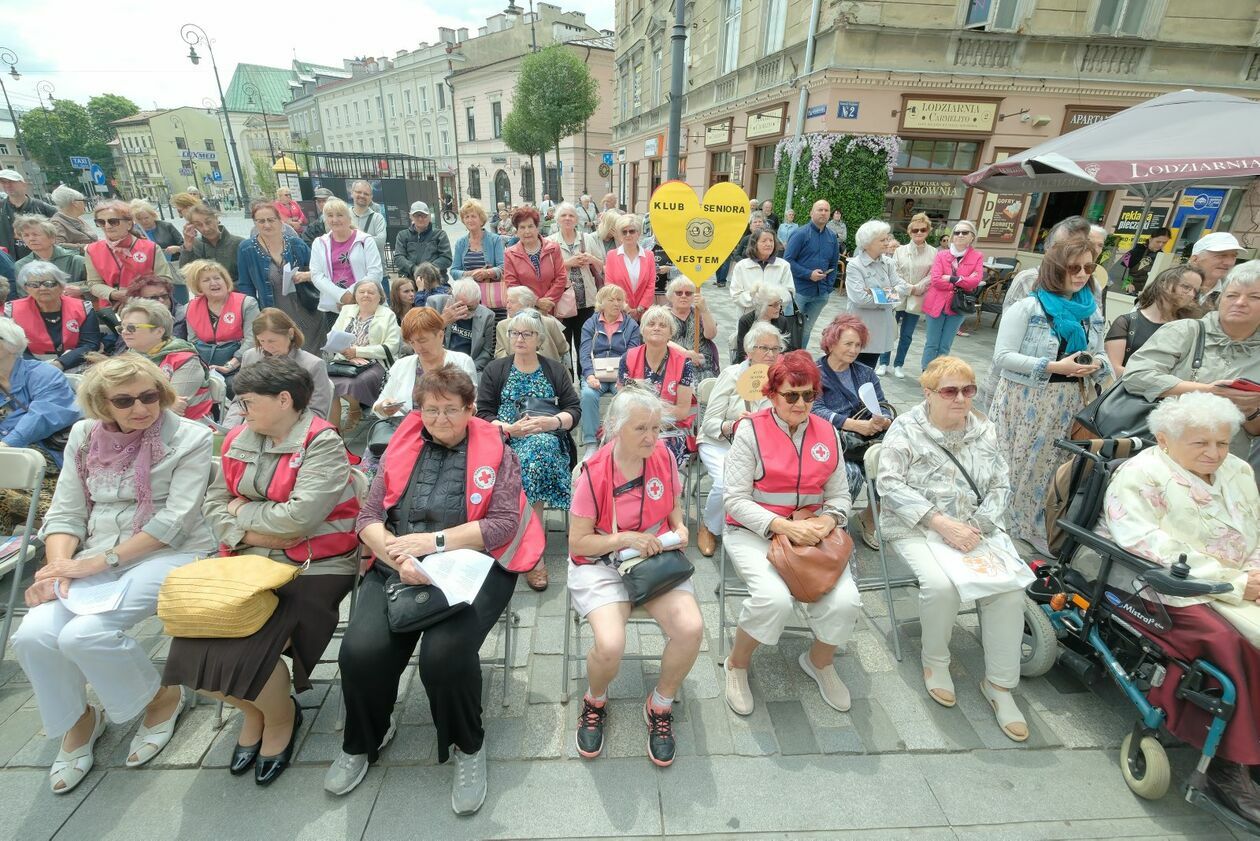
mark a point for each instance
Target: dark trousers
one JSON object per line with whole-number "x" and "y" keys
{"x": 573, "y": 331}
{"x": 373, "y": 658}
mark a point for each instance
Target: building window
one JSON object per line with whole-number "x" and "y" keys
{"x": 428, "y": 143}
{"x": 379, "y": 108}
{"x": 397, "y": 145}
{"x": 445, "y": 137}
{"x": 356, "y": 113}
{"x": 527, "y": 183}
{"x": 624, "y": 89}
{"x": 993, "y": 15}
{"x": 496, "y": 119}
{"x": 392, "y": 111}
{"x": 719, "y": 167}
{"x": 949, "y": 155}
{"x": 469, "y": 114}
{"x": 763, "y": 172}
{"x": 4, "y": 148}
{"x": 367, "y": 108}
{"x": 636, "y": 88}
{"x": 407, "y": 101}
{"x": 214, "y": 166}
{"x": 474, "y": 182}
{"x": 181, "y": 143}
{"x": 728, "y": 58}
{"x": 412, "y": 139}
{"x": 1125, "y": 17}
{"x": 776, "y": 23}
{"x": 441, "y": 97}
{"x": 654, "y": 173}
{"x": 424, "y": 100}
{"x": 656, "y": 77}
{"x": 209, "y": 145}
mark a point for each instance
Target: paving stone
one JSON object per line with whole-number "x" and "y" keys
{"x": 411, "y": 745}
{"x": 539, "y": 734}
{"x": 704, "y": 680}
{"x": 843, "y": 740}
{"x": 710, "y": 726}
{"x": 545, "y": 679}
{"x": 629, "y": 682}
{"x": 29, "y": 811}
{"x": 753, "y": 734}
{"x": 978, "y": 711}
{"x": 874, "y": 727}
{"x": 871, "y": 652}
{"x": 792, "y": 728}
{"x": 921, "y": 723}
{"x": 548, "y": 637}
{"x": 492, "y": 694}
{"x": 1165, "y": 826}
{"x": 220, "y": 753}
{"x": 191, "y": 741}
{"x": 16, "y": 732}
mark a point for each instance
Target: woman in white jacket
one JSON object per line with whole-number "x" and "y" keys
{"x": 342, "y": 257}
{"x": 377, "y": 341}
{"x": 760, "y": 268}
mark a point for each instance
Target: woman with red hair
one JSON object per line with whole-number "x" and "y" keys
{"x": 536, "y": 263}
{"x": 779, "y": 453}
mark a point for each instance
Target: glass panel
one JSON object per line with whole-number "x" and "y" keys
{"x": 1131, "y": 18}
{"x": 965, "y": 158}
{"x": 943, "y": 154}
{"x": 765, "y": 157}
{"x": 1105, "y": 22}
{"x": 1004, "y": 18}
{"x": 978, "y": 12}
{"x": 903, "y": 155}
{"x": 920, "y": 150}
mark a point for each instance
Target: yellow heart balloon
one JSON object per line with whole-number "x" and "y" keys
{"x": 698, "y": 234}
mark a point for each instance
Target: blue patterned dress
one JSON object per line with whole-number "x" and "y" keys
{"x": 544, "y": 463}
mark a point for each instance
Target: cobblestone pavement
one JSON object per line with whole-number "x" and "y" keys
{"x": 895, "y": 766}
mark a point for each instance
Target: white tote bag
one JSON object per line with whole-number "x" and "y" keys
{"x": 992, "y": 568}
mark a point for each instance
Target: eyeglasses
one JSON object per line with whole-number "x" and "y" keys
{"x": 448, "y": 414}
{"x": 46, "y": 284}
{"x": 767, "y": 348}
{"x": 161, "y": 296}
{"x": 964, "y": 233}
{"x": 126, "y": 401}
{"x": 521, "y": 334}
{"x": 1181, "y": 287}
{"x": 132, "y": 328}
{"x": 629, "y": 231}
{"x": 951, "y": 392}
{"x": 111, "y": 222}
{"x": 792, "y": 396}
{"x": 1077, "y": 268}
{"x": 919, "y": 230}
{"x": 684, "y": 294}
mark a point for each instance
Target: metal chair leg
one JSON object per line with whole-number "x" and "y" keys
{"x": 509, "y": 633}
{"x": 21, "y": 562}
{"x": 564, "y": 668}
{"x": 894, "y": 631}
{"x": 722, "y": 602}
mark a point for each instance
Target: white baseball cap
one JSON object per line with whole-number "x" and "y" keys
{"x": 11, "y": 175}
{"x": 1216, "y": 241}
{"x": 419, "y": 207}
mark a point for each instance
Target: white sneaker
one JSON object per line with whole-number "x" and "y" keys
{"x": 738, "y": 694}
{"x": 881, "y": 369}
{"x": 832, "y": 688}
{"x": 468, "y": 789}
{"x": 898, "y": 373}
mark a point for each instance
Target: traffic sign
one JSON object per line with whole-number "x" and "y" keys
{"x": 205, "y": 178}
{"x": 217, "y": 175}
{"x": 98, "y": 175}
{"x": 80, "y": 162}
{"x": 608, "y": 158}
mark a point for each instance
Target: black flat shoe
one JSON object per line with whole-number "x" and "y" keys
{"x": 243, "y": 758}
{"x": 268, "y": 768}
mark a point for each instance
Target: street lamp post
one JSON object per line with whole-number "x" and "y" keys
{"x": 7, "y": 56}
{"x": 44, "y": 88}
{"x": 255, "y": 98}
{"x": 194, "y": 35}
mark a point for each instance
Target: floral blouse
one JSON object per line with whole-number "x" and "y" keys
{"x": 1159, "y": 510}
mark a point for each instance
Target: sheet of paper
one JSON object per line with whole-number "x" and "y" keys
{"x": 870, "y": 399}
{"x": 458, "y": 573}
{"x": 338, "y": 340}
{"x": 287, "y": 283}
{"x": 669, "y": 540}
{"x": 89, "y": 598}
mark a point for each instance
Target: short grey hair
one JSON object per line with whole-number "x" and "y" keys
{"x": 1243, "y": 274}
{"x": 40, "y": 270}
{"x": 764, "y": 297}
{"x": 528, "y": 319}
{"x": 354, "y": 184}
{"x": 757, "y": 216}
{"x": 466, "y": 289}
{"x": 354, "y": 290}
{"x": 65, "y": 196}
{"x": 763, "y": 330}
{"x": 565, "y": 207}
{"x": 12, "y": 336}
{"x": 522, "y": 296}
{"x": 1098, "y": 229}
{"x": 153, "y": 312}
{"x": 624, "y": 403}
{"x": 1174, "y": 416}
{"x": 34, "y": 220}
{"x": 870, "y": 232}
{"x": 142, "y": 206}
{"x": 680, "y": 282}
{"x": 657, "y": 312}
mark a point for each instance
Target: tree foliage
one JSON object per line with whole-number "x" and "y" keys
{"x": 68, "y": 129}
{"x": 555, "y": 95}
{"x": 264, "y": 176}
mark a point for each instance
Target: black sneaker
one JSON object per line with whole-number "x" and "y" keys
{"x": 590, "y": 730}
{"x": 660, "y": 735}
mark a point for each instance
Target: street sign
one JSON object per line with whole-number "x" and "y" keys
{"x": 816, "y": 111}
{"x": 847, "y": 110}
{"x": 205, "y": 178}
{"x": 604, "y": 170}
{"x": 80, "y": 162}
{"x": 608, "y": 158}
{"x": 217, "y": 175}
{"x": 98, "y": 175}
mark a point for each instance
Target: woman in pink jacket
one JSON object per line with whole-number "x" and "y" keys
{"x": 632, "y": 267}
{"x": 536, "y": 263}
{"x": 959, "y": 264}
{"x": 290, "y": 211}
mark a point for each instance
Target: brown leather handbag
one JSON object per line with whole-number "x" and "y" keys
{"x": 811, "y": 572}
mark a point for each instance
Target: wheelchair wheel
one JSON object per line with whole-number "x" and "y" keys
{"x": 1040, "y": 645}
{"x": 1149, "y": 774}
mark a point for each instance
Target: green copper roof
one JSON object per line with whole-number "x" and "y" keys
{"x": 272, "y": 84}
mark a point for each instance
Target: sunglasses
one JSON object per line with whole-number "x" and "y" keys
{"x": 134, "y": 328}
{"x": 111, "y": 222}
{"x": 951, "y": 392}
{"x": 126, "y": 401}
{"x": 964, "y": 233}
{"x": 919, "y": 230}
{"x": 162, "y": 296}
{"x": 1077, "y": 268}
{"x": 792, "y": 396}
{"x": 52, "y": 284}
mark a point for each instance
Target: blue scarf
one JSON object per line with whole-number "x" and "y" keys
{"x": 1067, "y": 314}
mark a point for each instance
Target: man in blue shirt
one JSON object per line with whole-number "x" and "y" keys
{"x": 813, "y": 252}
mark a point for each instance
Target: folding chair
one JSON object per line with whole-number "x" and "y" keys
{"x": 695, "y": 468}
{"x": 728, "y": 587}
{"x": 21, "y": 469}
{"x": 575, "y": 653}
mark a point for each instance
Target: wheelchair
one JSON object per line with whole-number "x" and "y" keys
{"x": 1091, "y": 628}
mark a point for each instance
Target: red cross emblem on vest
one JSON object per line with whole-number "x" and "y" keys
{"x": 483, "y": 477}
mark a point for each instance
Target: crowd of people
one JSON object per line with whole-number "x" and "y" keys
{"x": 483, "y": 369}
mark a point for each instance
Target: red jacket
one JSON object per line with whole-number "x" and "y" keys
{"x": 231, "y": 324}
{"x": 26, "y": 315}
{"x": 643, "y": 295}
{"x": 659, "y": 493}
{"x": 138, "y": 259}
{"x": 518, "y": 270}
{"x": 790, "y": 480}
{"x": 291, "y": 212}
{"x": 970, "y": 272}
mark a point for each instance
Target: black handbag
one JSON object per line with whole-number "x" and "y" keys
{"x": 341, "y": 368}
{"x": 1119, "y": 413}
{"x": 415, "y": 607}
{"x": 652, "y": 576}
{"x": 307, "y": 296}
{"x": 549, "y": 407}
{"x": 855, "y": 445}
{"x": 380, "y": 433}
{"x": 962, "y": 302}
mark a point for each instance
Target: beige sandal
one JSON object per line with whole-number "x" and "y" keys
{"x": 940, "y": 687}
{"x": 1009, "y": 718}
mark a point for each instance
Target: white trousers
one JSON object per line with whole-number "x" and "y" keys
{"x": 1001, "y": 617}
{"x": 713, "y": 457}
{"x": 770, "y": 606}
{"x": 61, "y": 653}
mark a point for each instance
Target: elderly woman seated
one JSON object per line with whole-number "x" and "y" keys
{"x": 38, "y": 407}
{"x": 1189, "y": 497}
{"x": 422, "y": 330}
{"x": 153, "y": 287}
{"x": 40, "y": 236}
{"x": 275, "y": 334}
{"x": 147, "y": 329}
{"x": 284, "y": 490}
{"x": 694, "y": 326}
{"x": 554, "y": 345}
{"x": 531, "y": 399}
{"x": 785, "y": 451}
{"x": 606, "y": 336}
{"x": 61, "y": 329}
{"x": 469, "y": 324}
{"x": 767, "y": 308}
{"x": 665, "y": 369}
{"x": 127, "y": 509}
{"x": 376, "y": 343}
{"x": 72, "y": 231}
{"x": 113, "y": 263}
{"x": 628, "y": 496}
{"x": 432, "y": 495}
{"x": 930, "y": 459}
{"x": 220, "y": 321}
{"x": 726, "y": 408}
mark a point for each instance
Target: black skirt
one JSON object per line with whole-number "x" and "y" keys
{"x": 301, "y": 627}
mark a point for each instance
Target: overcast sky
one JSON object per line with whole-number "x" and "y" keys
{"x": 137, "y": 51}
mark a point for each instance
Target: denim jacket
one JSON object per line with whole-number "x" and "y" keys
{"x": 1026, "y": 344}
{"x": 253, "y": 264}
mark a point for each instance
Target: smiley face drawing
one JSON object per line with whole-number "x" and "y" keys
{"x": 699, "y": 233}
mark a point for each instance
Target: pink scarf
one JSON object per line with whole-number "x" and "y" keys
{"x": 110, "y": 452}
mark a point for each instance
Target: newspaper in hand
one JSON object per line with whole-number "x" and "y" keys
{"x": 458, "y": 573}
{"x": 338, "y": 340}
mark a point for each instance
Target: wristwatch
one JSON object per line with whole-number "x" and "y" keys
{"x": 439, "y": 541}
{"x": 111, "y": 559}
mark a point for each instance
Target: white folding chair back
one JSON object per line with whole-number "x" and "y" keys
{"x": 21, "y": 469}
{"x": 887, "y": 581}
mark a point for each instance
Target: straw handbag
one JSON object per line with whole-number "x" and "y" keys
{"x": 227, "y": 597}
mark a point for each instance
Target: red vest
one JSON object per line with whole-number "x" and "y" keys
{"x": 659, "y": 492}
{"x": 230, "y": 326}
{"x": 636, "y": 369}
{"x": 201, "y": 403}
{"x": 73, "y": 314}
{"x": 790, "y": 480}
{"x": 485, "y": 459}
{"x": 140, "y": 259}
{"x": 321, "y": 546}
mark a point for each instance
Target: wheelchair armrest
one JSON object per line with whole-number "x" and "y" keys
{"x": 1161, "y": 580}
{"x": 1164, "y": 582}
